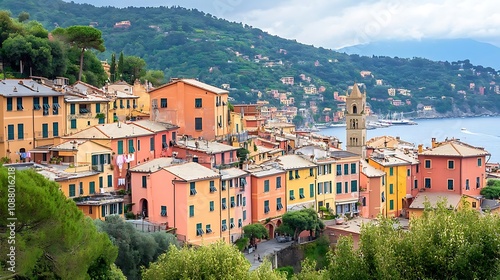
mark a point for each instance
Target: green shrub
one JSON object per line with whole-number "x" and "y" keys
{"x": 241, "y": 243}
{"x": 287, "y": 270}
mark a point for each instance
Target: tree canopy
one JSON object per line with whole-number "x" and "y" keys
{"x": 253, "y": 231}
{"x": 295, "y": 222}
{"x": 442, "y": 244}
{"x": 213, "y": 261}
{"x": 135, "y": 248}
{"x": 53, "y": 239}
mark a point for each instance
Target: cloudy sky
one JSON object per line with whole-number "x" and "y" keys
{"x": 339, "y": 23}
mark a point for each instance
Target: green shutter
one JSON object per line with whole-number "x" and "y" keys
{"x": 97, "y": 108}
{"x": 354, "y": 186}
{"x": 73, "y": 123}
{"x": 144, "y": 182}
{"x": 103, "y": 210}
{"x": 266, "y": 186}
{"x": 391, "y": 189}
{"x": 191, "y": 210}
{"x": 120, "y": 147}
{"x": 72, "y": 190}
{"x": 55, "y": 129}
{"x": 120, "y": 207}
{"x": 92, "y": 188}
{"x": 131, "y": 146}
{"x": 339, "y": 188}
{"x": 20, "y": 131}
{"x": 110, "y": 181}
{"x": 10, "y": 132}
{"x": 311, "y": 190}
{"x": 100, "y": 182}
{"x": 72, "y": 109}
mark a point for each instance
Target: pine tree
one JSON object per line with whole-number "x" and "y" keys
{"x": 119, "y": 71}
{"x": 112, "y": 68}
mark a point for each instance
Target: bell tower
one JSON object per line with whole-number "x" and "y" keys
{"x": 356, "y": 122}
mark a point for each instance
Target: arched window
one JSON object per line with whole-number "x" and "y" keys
{"x": 354, "y": 109}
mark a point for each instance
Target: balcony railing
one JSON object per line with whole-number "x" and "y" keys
{"x": 88, "y": 115}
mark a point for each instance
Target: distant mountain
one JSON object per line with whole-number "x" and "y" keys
{"x": 478, "y": 53}
{"x": 188, "y": 43}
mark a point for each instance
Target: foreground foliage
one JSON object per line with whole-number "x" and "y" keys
{"x": 135, "y": 248}
{"x": 442, "y": 244}
{"x": 53, "y": 239}
{"x": 214, "y": 261}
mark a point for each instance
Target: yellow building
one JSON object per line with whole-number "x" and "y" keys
{"x": 325, "y": 175}
{"x": 84, "y": 111}
{"x": 123, "y": 102}
{"x": 396, "y": 166}
{"x": 143, "y": 102}
{"x": 102, "y": 206}
{"x": 281, "y": 127}
{"x": 31, "y": 116}
{"x": 300, "y": 182}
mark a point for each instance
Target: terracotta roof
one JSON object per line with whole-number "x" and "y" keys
{"x": 455, "y": 148}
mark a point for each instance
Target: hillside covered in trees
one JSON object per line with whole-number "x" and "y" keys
{"x": 189, "y": 43}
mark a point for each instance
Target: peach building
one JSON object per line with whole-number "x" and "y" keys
{"x": 372, "y": 184}
{"x": 184, "y": 196}
{"x": 200, "y": 110}
{"x": 268, "y": 195}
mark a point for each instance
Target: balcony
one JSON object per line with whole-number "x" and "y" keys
{"x": 238, "y": 137}
{"x": 87, "y": 115}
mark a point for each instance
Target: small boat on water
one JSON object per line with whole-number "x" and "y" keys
{"x": 464, "y": 129}
{"x": 337, "y": 125}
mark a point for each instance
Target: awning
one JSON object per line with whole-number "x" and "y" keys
{"x": 40, "y": 151}
{"x": 346, "y": 201}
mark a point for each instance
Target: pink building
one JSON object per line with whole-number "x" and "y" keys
{"x": 164, "y": 138}
{"x": 453, "y": 167}
{"x": 372, "y": 184}
{"x": 207, "y": 153}
{"x": 347, "y": 182}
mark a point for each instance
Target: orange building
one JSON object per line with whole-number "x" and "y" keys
{"x": 268, "y": 195}
{"x": 200, "y": 110}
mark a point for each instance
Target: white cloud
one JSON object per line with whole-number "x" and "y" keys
{"x": 339, "y": 23}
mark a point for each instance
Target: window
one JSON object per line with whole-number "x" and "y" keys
{"x": 479, "y": 162}
{"x": 451, "y": 164}
{"x": 121, "y": 104}
{"x": 266, "y": 186}
{"x": 72, "y": 190}
{"x": 46, "y": 106}
{"x": 36, "y": 103}
{"x": 199, "y": 228}
{"x": 297, "y": 174}
{"x": 328, "y": 187}
{"x": 244, "y": 201}
{"x": 427, "y": 183}
{"x": 212, "y": 206}
{"x": 353, "y": 168}
{"x": 311, "y": 190}
{"x": 290, "y": 175}
{"x": 415, "y": 184}
{"x": 354, "y": 186}
{"x": 152, "y": 144}
{"x": 279, "y": 206}
{"x": 278, "y": 182}
{"x": 292, "y": 196}
{"x": 382, "y": 196}
{"x": 474, "y": 204}
{"x": 266, "y": 206}
{"x": 467, "y": 185}
{"x": 20, "y": 104}
{"x": 391, "y": 171}
{"x": 427, "y": 163}
{"x": 91, "y": 187}
{"x": 198, "y": 103}
{"x": 391, "y": 188}
{"x": 163, "y": 211}
{"x": 81, "y": 188}
{"x": 163, "y": 103}
{"x": 98, "y": 108}
{"x": 224, "y": 225}
{"x": 339, "y": 169}
{"x": 363, "y": 201}
{"x": 240, "y": 223}
{"x": 45, "y": 130}
{"x": 120, "y": 147}
{"x": 244, "y": 215}
{"x": 346, "y": 169}
{"x": 450, "y": 184}
{"x": 144, "y": 181}
{"x": 164, "y": 144}
{"x": 55, "y": 129}
{"x": 320, "y": 188}
{"x": 101, "y": 182}
{"x": 131, "y": 148}
{"x": 223, "y": 204}
{"x": 198, "y": 123}
{"x": 232, "y": 202}
{"x": 478, "y": 183}
{"x": 408, "y": 172}
{"x": 224, "y": 185}
{"x": 212, "y": 187}
{"x": 9, "y": 103}
{"x": 301, "y": 193}
{"x": 311, "y": 172}
{"x": 110, "y": 181}
{"x": 191, "y": 210}
{"x": 73, "y": 124}
{"x": 128, "y": 104}
{"x": 417, "y": 168}
{"x": 346, "y": 187}
{"x": 192, "y": 188}
{"x": 134, "y": 104}
{"x": 20, "y": 131}
{"x": 55, "y": 105}
{"x": 208, "y": 229}
{"x": 339, "y": 188}
{"x": 391, "y": 204}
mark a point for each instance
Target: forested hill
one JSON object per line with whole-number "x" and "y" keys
{"x": 190, "y": 43}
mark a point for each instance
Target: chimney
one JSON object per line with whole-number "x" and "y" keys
{"x": 434, "y": 143}
{"x": 420, "y": 148}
